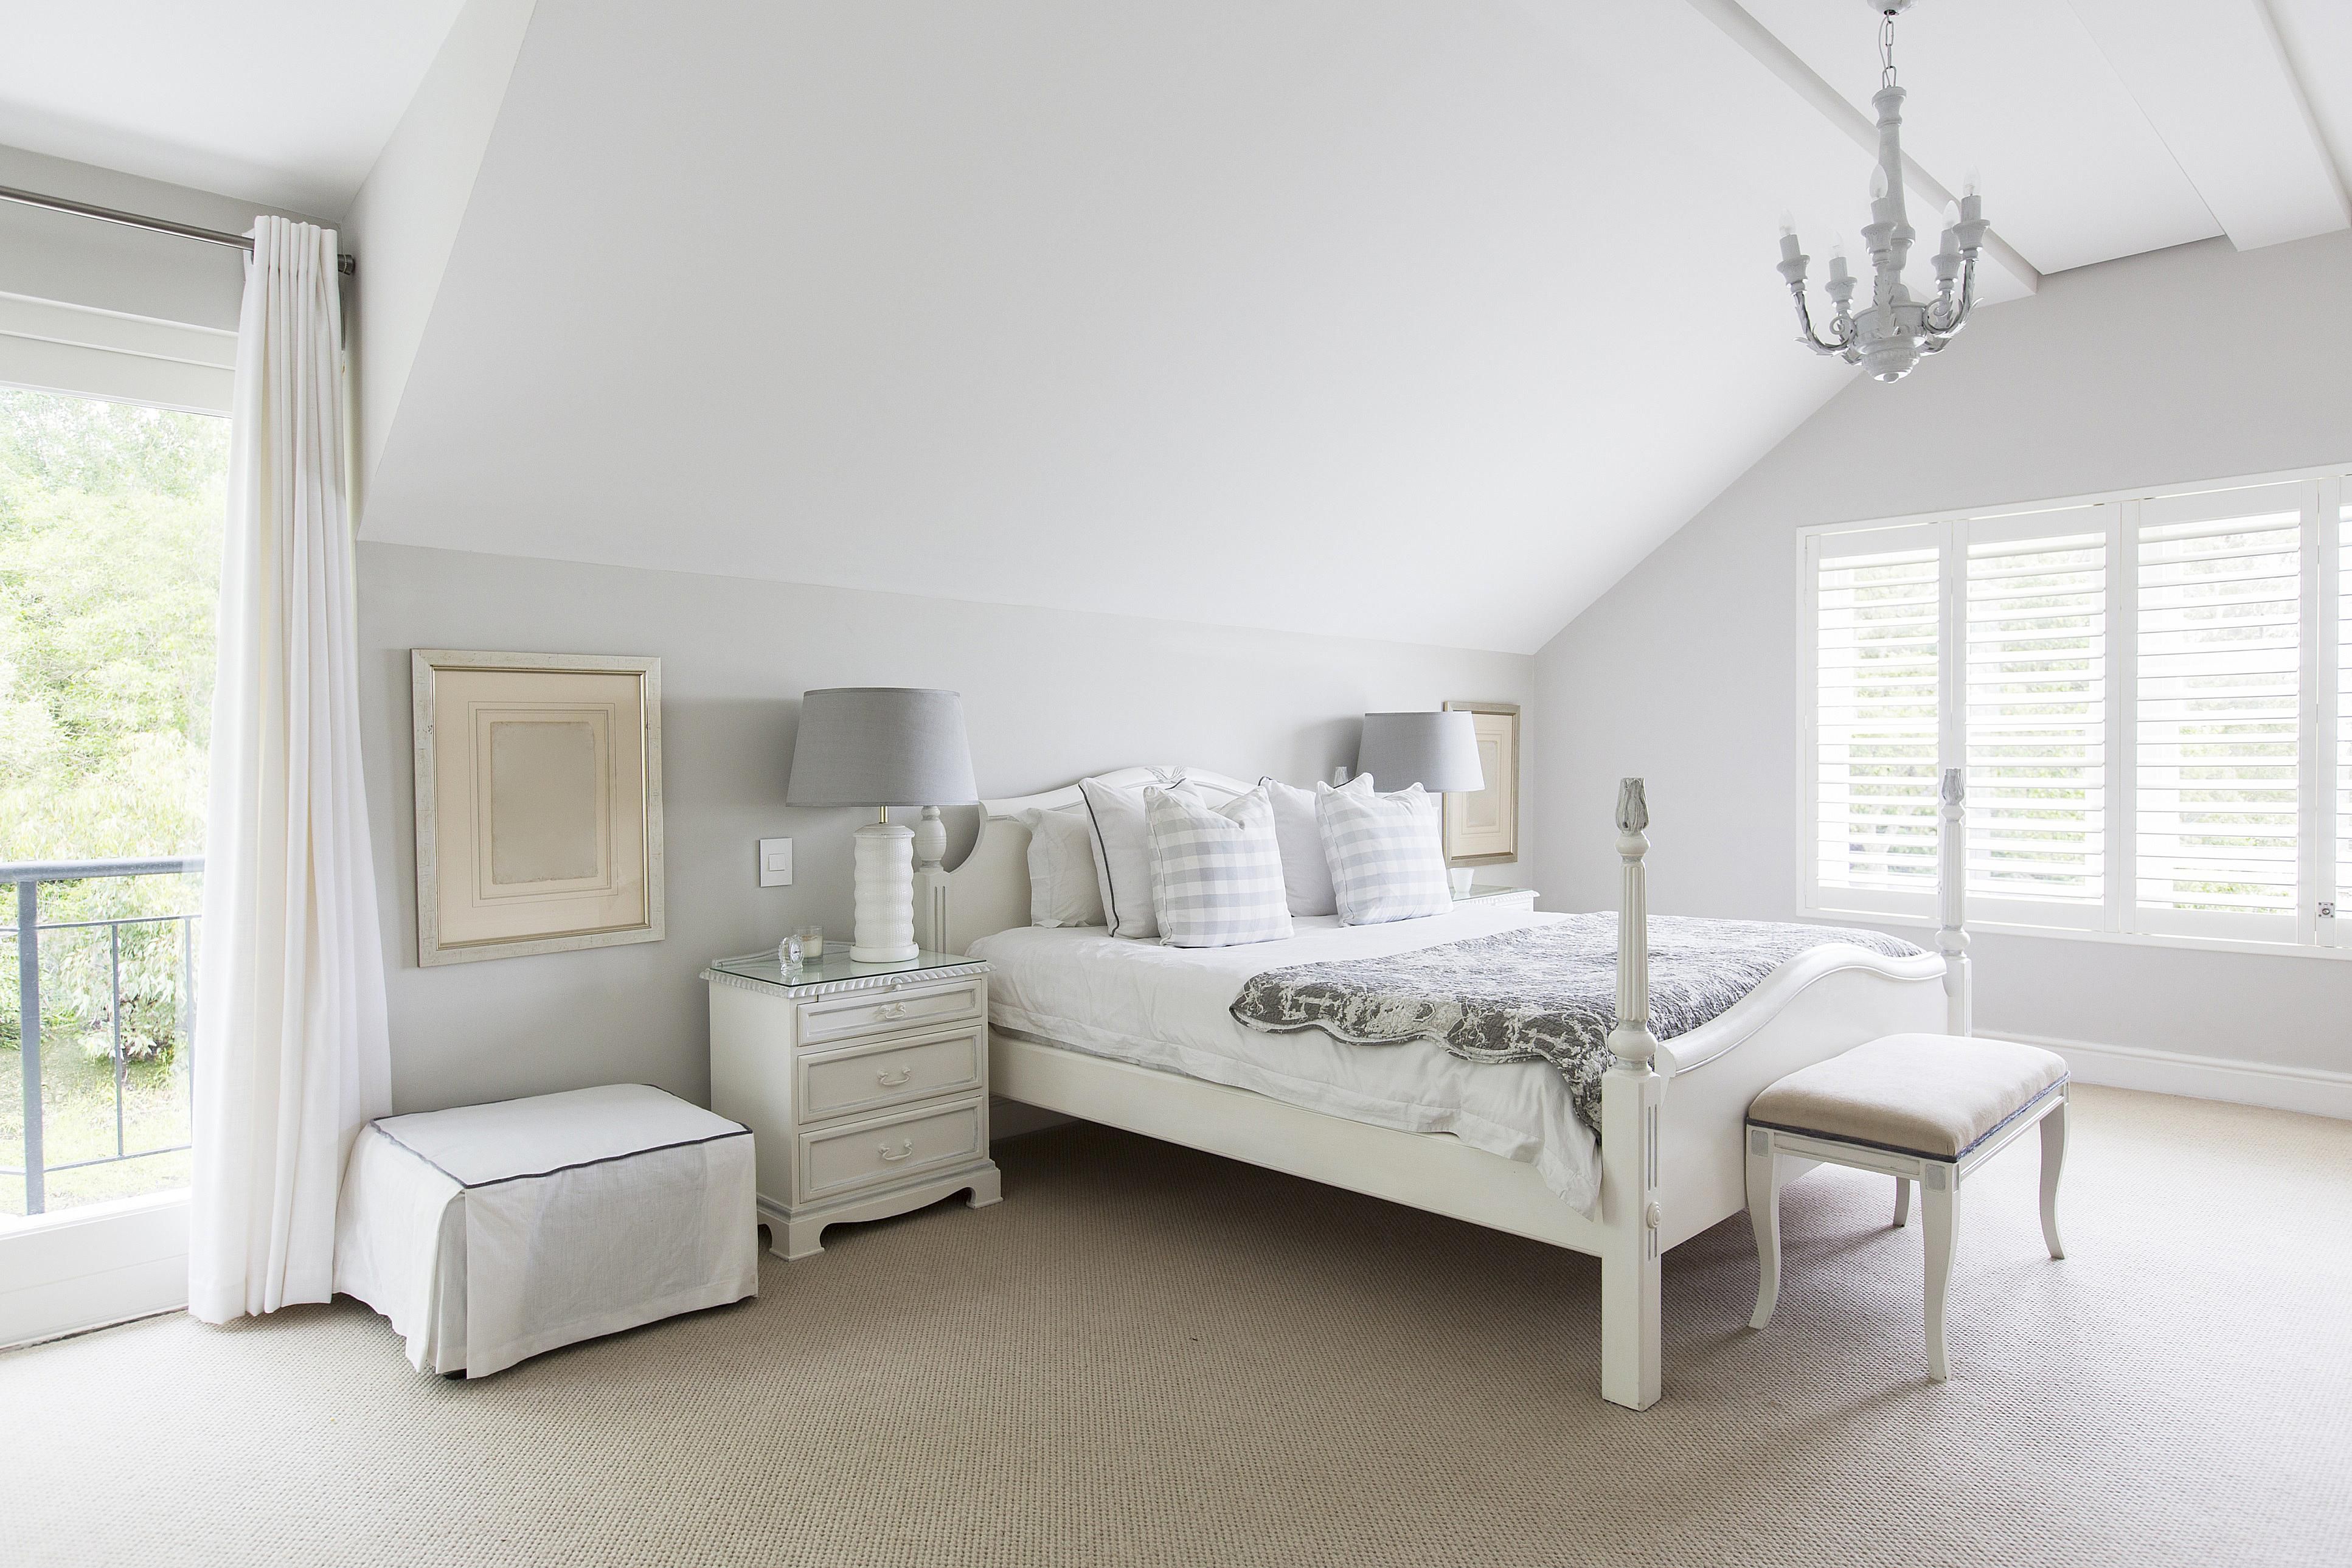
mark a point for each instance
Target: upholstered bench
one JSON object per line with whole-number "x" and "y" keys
{"x": 1928, "y": 1108}
{"x": 491, "y": 1233}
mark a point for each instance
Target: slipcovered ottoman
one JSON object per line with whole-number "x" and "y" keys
{"x": 489, "y": 1233}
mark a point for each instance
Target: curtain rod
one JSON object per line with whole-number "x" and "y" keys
{"x": 346, "y": 265}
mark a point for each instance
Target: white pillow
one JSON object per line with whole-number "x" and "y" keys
{"x": 1386, "y": 852}
{"x": 1063, "y": 890}
{"x": 1305, "y": 875}
{"x": 1122, "y": 856}
{"x": 1216, "y": 871}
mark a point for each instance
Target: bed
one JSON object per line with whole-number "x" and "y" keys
{"x": 1134, "y": 1036}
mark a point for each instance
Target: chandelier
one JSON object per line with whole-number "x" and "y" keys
{"x": 1888, "y": 336}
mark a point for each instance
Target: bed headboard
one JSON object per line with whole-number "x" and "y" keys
{"x": 989, "y": 891}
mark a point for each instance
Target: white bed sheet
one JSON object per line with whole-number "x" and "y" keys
{"x": 1167, "y": 1007}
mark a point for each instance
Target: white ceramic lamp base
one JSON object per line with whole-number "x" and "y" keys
{"x": 885, "y": 930}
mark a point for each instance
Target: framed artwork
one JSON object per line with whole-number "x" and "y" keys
{"x": 539, "y": 818}
{"x": 1482, "y": 827}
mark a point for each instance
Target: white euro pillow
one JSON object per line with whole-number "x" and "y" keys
{"x": 1305, "y": 875}
{"x": 1387, "y": 854}
{"x": 1063, "y": 888}
{"x": 1122, "y": 852}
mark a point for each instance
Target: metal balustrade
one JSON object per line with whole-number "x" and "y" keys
{"x": 29, "y": 878}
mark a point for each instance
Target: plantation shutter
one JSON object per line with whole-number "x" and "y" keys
{"x": 2342, "y": 586}
{"x": 1876, "y": 667}
{"x": 2216, "y": 679}
{"x": 2036, "y": 715}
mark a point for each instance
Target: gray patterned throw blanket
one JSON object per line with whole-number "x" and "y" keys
{"x": 1542, "y": 993}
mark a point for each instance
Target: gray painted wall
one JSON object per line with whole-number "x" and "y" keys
{"x": 1048, "y": 696}
{"x": 2173, "y": 366}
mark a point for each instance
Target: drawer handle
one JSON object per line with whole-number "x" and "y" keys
{"x": 891, "y": 1010}
{"x": 905, "y": 1147}
{"x": 889, "y": 1080}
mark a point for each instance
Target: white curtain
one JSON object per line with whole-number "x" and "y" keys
{"x": 290, "y": 1052}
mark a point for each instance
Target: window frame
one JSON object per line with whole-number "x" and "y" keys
{"x": 2323, "y": 491}
{"x": 107, "y": 356}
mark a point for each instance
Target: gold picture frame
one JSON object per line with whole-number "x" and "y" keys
{"x": 538, "y": 802}
{"x": 1482, "y": 826}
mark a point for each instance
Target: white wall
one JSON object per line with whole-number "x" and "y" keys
{"x": 1048, "y": 695}
{"x": 405, "y": 216}
{"x": 2196, "y": 363}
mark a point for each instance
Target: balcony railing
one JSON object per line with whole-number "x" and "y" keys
{"x": 31, "y": 877}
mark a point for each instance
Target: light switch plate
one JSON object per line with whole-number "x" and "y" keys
{"x": 775, "y": 862}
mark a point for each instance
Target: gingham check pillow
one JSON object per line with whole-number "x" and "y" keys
{"x": 1216, "y": 871}
{"x": 1386, "y": 853}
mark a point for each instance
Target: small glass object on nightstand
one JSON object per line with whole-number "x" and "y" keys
{"x": 834, "y": 964}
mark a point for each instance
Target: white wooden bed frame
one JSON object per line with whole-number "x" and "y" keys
{"x": 1672, "y": 1165}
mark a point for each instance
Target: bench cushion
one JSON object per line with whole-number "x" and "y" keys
{"x": 1935, "y": 1096}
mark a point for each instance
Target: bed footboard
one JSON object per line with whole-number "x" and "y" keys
{"x": 1633, "y": 1335}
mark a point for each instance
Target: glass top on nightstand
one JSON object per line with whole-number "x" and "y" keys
{"x": 835, "y": 967}
{"x": 1481, "y": 890}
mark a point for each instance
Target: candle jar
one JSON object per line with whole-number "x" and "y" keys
{"x": 811, "y": 943}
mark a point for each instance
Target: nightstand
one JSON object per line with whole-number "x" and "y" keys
{"x": 865, "y": 1085}
{"x": 1487, "y": 898}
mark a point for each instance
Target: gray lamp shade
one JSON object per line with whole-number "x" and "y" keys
{"x": 1439, "y": 752}
{"x": 881, "y": 745}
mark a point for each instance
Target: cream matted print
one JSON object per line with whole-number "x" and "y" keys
{"x": 1482, "y": 826}
{"x": 538, "y": 803}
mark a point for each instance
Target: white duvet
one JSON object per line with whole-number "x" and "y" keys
{"x": 1166, "y": 1007}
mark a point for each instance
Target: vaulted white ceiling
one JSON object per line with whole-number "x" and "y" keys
{"x": 285, "y": 102}
{"x": 1363, "y": 316}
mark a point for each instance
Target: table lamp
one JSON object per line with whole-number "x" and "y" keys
{"x": 1439, "y": 752}
{"x": 881, "y": 746}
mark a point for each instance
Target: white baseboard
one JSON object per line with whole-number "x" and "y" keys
{"x": 84, "y": 1269}
{"x": 2309, "y": 1089}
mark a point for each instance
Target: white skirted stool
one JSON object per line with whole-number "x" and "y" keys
{"x": 491, "y": 1233}
{"x": 1928, "y": 1108}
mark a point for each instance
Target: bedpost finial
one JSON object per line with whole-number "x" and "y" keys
{"x": 1633, "y": 806}
{"x": 1956, "y": 787}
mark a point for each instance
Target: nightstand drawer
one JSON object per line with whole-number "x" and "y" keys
{"x": 888, "y": 1011}
{"x": 884, "y": 1148}
{"x": 869, "y": 1077}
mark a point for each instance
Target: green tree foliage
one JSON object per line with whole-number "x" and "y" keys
{"x": 110, "y": 521}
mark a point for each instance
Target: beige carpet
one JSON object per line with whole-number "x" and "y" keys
{"x": 1151, "y": 1355}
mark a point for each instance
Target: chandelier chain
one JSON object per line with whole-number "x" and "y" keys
{"x": 1886, "y": 50}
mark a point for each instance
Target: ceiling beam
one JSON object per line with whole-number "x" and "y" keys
{"x": 2213, "y": 78}
{"x": 1783, "y": 62}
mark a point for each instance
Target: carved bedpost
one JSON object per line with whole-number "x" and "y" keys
{"x": 931, "y": 933}
{"x": 1951, "y": 889}
{"x": 1630, "y": 1041}
{"x": 1631, "y": 1090}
